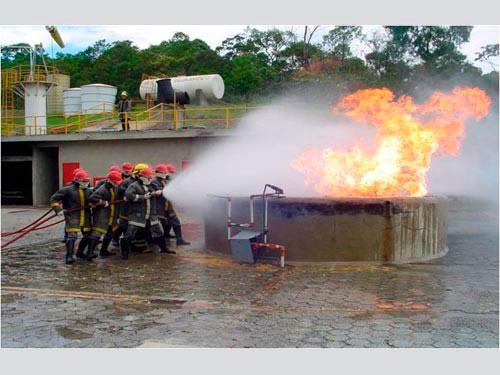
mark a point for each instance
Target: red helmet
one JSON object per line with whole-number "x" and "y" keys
{"x": 127, "y": 167}
{"x": 81, "y": 175}
{"x": 75, "y": 171}
{"x": 146, "y": 172}
{"x": 115, "y": 177}
{"x": 162, "y": 169}
{"x": 171, "y": 168}
{"x": 114, "y": 168}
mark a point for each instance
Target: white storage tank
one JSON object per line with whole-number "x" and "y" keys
{"x": 55, "y": 97}
{"x": 201, "y": 87}
{"x": 97, "y": 98}
{"x": 72, "y": 101}
{"x": 211, "y": 85}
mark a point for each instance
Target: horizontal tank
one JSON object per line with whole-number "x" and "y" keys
{"x": 55, "y": 97}
{"x": 211, "y": 86}
{"x": 98, "y": 97}
{"x": 72, "y": 99}
{"x": 382, "y": 230}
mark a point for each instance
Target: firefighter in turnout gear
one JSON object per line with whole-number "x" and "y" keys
{"x": 73, "y": 199}
{"x": 173, "y": 221}
{"x": 130, "y": 175}
{"x": 166, "y": 213}
{"x": 104, "y": 214}
{"x": 140, "y": 197}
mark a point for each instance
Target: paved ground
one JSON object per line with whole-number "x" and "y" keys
{"x": 196, "y": 299}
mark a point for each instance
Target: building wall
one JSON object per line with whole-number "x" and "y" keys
{"x": 97, "y": 156}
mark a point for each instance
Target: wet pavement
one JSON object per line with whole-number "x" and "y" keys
{"x": 198, "y": 299}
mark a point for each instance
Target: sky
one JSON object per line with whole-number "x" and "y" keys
{"x": 77, "y": 38}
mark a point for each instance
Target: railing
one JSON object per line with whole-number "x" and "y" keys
{"x": 158, "y": 117}
{"x": 21, "y": 73}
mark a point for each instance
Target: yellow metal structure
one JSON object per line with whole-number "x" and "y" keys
{"x": 160, "y": 117}
{"x": 15, "y": 76}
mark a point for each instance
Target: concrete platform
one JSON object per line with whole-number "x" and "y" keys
{"x": 385, "y": 230}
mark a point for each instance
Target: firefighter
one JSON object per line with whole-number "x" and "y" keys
{"x": 104, "y": 214}
{"x": 173, "y": 221}
{"x": 75, "y": 171}
{"x": 73, "y": 198}
{"x": 123, "y": 215}
{"x": 124, "y": 107}
{"x": 141, "y": 213}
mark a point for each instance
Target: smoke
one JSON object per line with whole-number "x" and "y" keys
{"x": 266, "y": 141}
{"x": 474, "y": 171}
{"x": 261, "y": 151}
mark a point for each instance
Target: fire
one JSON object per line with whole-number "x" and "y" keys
{"x": 407, "y": 135}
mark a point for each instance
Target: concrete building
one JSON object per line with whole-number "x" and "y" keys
{"x": 33, "y": 167}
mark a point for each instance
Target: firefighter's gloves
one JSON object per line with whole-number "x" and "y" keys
{"x": 103, "y": 203}
{"x": 147, "y": 195}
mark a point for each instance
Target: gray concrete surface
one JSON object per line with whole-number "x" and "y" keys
{"x": 15, "y": 217}
{"x": 390, "y": 230}
{"x": 197, "y": 299}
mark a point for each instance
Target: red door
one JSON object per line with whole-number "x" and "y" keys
{"x": 67, "y": 171}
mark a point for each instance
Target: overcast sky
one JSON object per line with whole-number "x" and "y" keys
{"x": 78, "y": 38}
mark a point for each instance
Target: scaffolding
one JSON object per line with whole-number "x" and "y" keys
{"x": 12, "y": 82}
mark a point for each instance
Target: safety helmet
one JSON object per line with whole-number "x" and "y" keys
{"x": 114, "y": 168}
{"x": 161, "y": 171}
{"x": 146, "y": 175}
{"x": 115, "y": 177}
{"x": 82, "y": 178}
{"x": 75, "y": 171}
{"x": 171, "y": 168}
{"x": 127, "y": 168}
{"x": 124, "y": 93}
{"x": 139, "y": 167}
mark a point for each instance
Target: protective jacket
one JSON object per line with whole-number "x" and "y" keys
{"x": 74, "y": 200}
{"x": 120, "y": 192}
{"x": 103, "y": 216}
{"x": 141, "y": 208}
{"x": 160, "y": 203}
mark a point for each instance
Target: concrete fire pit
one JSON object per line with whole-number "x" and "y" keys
{"x": 389, "y": 230}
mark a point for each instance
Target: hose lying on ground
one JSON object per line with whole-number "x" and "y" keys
{"x": 36, "y": 225}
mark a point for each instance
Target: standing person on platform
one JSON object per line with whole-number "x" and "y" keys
{"x": 124, "y": 108}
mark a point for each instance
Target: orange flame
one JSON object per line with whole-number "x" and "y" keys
{"x": 407, "y": 135}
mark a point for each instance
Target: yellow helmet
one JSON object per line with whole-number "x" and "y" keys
{"x": 139, "y": 167}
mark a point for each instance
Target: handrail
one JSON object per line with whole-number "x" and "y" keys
{"x": 160, "y": 115}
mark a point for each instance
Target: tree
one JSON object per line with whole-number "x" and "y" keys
{"x": 338, "y": 40}
{"x": 244, "y": 77}
{"x": 436, "y": 47}
{"x": 487, "y": 53}
{"x": 306, "y": 42}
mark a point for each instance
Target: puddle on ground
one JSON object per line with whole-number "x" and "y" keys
{"x": 73, "y": 334}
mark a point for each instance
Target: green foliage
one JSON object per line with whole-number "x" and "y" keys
{"x": 338, "y": 40}
{"x": 266, "y": 61}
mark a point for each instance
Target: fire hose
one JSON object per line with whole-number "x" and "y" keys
{"x": 37, "y": 224}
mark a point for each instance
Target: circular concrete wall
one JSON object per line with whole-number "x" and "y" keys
{"x": 394, "y": 230}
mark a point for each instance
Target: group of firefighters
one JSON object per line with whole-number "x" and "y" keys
{"x": 127, "y": 208}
